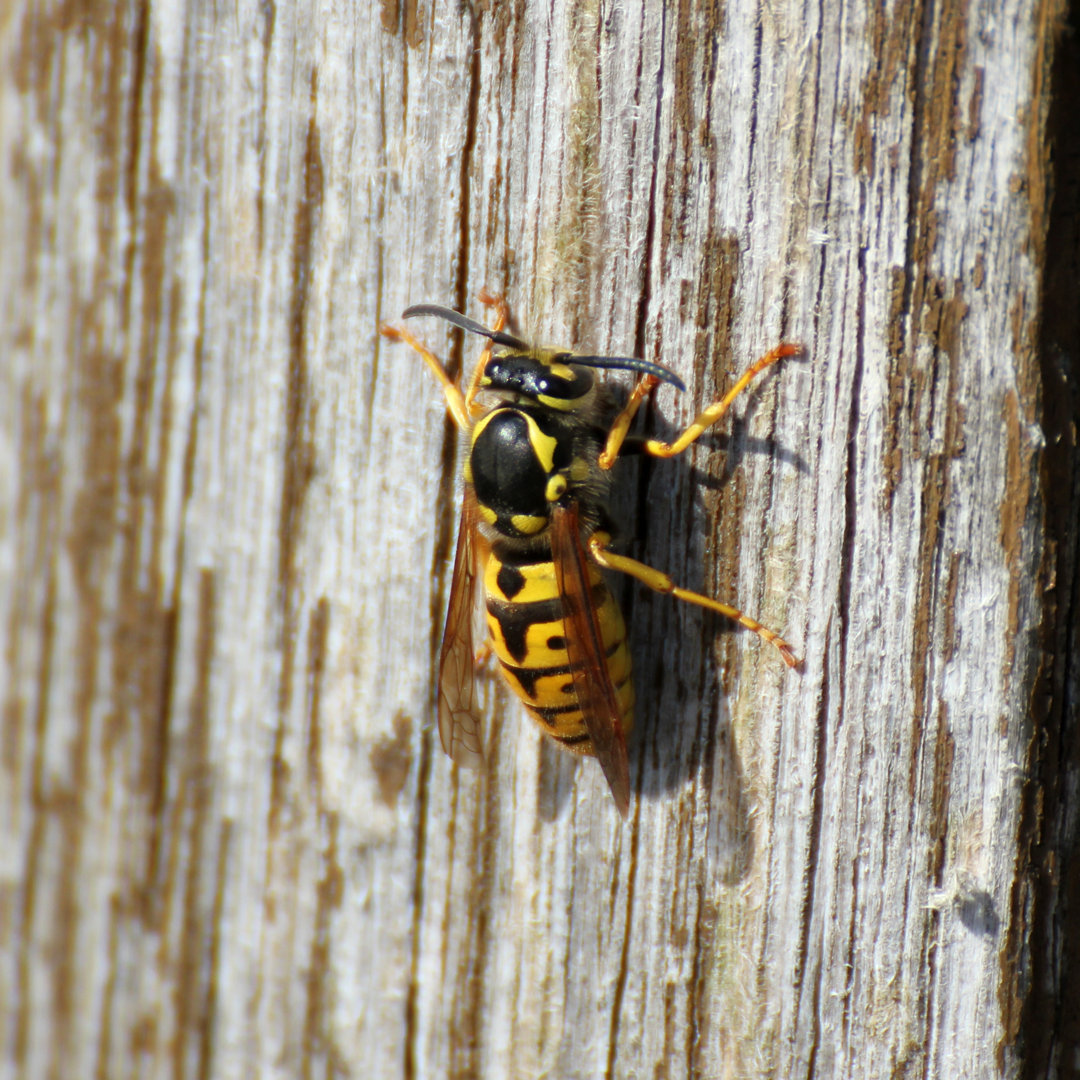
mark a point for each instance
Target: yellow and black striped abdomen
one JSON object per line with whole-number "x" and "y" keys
{"x": 525, "y": 627}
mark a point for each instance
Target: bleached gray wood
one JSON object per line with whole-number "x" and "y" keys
{"x": 231, "y": 844}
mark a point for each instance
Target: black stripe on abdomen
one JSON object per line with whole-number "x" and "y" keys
{"x": 515, "y": 619}
{"x": 572, "y": 740}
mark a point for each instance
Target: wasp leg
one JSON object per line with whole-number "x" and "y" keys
{"x": 502, "y": 309}
{"x": 715, "y": 411}
{"x": 704, "y": 421}
{"x": 661, "y": 583}
{"x": 502, "y": 314}
{"x": 621, "y": 426}
{"x": 455, "y": 401}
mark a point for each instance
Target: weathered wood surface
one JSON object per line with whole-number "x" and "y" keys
{"x": 231, "y": 845}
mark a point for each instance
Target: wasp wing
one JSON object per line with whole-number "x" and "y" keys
{"x": 593, "y": 687}
{"x": 459, "y": 720}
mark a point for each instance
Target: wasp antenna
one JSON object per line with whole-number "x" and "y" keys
{"x": 629, "y": 363}
{"x": 465, "y": 323}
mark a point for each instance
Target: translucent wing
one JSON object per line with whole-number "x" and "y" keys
{"x": 595, "y": 692}
{"x": 459, "y": 721}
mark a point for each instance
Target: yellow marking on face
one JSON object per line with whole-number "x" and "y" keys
{"x": 562, "y": 371}
{"x": 562, "y": 404}
{"x": 488, "y": 514}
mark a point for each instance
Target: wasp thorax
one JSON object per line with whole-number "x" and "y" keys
{"x": 516, "y": 466}
{"x": 548, "y": 379}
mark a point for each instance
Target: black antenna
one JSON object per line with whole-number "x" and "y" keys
{"x": 465, "y": 323}
{"x": 617, "y": 363}
{"x": 625, "y": 363}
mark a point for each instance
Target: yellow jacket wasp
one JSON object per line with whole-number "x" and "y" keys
{"x": 533, "y": 530}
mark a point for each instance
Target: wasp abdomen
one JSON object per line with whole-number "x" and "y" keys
{"x": 527, "y": 634}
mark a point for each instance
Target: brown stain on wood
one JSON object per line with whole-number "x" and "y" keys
{"x": 889, "y": 42}
{"x": 391, "y": 759}
{"x": 40, "y": 820}
{"x": 402, "y": 17}
{"x": 685, "y": 83}
{"x": 893, "y": 456}
{"x": 693, "y": 74}
{"x": 941, "y": 787}
{"x": 318, "y": 630}
{"x": 23, "y": 733}
{"x": 934, "y": 90}
{"x": 952, "y": 583}
{"x": 218, "y": 941}
{"x": 934, "y": 97}
{"x": 195, "y": 830}
{"x": 318, "y": 1025}
{"x": 978, "y": 272}
{"x": 715, "y": 309}
{"x": 35, "y": 516}
{"x": 975, "y": 104}
{"x": 1013, "y": 512}
{"x": 299, "y": 462}
{"x": 35, "y": 528}
{"x": 942, "y": 319}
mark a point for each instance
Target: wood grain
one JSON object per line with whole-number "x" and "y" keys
{"x": 232, "y": 846}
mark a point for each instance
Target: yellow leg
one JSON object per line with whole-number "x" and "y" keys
{"x": 502, "y": 309}
{"x": 715, "y": 411}
{"x": 455, "y": 402}
{"x": 502, "y": 313}
{"x": 622, "y": 422}
{"x": 704, "y": 421}
{"x": 661, "y": 583}
{"x": 461, "y": 406}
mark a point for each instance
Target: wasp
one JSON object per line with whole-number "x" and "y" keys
{"x": 534, "y": 532}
